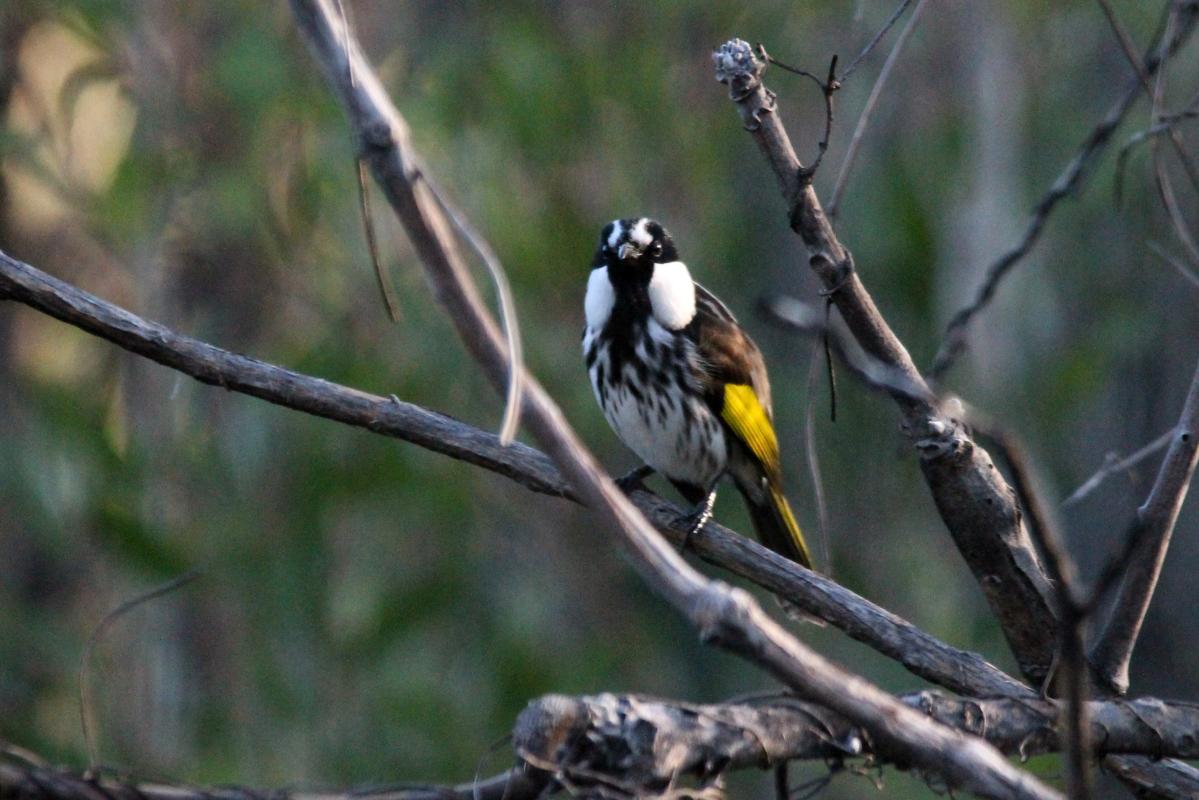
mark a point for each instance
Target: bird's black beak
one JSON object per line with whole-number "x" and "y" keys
{"x": 628, "y": 252}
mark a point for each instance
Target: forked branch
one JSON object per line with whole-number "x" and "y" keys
{"x": 978, "y": 507}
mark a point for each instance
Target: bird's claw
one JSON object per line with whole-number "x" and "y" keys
{"x": 698, "y": 518}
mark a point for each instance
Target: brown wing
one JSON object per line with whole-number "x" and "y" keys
{"x": 727, "y": 354}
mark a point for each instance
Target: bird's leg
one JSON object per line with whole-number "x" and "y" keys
{"x": 632, "y": 479}
{"x": 698, "y": 518}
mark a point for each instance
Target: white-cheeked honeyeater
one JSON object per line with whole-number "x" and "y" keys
{"x": 680, "y": 381}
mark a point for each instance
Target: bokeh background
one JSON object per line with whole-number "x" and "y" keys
{"x": 371, "y": 612}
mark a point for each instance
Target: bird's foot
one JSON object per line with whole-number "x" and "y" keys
{"x": 633, "y": 479}
{"x": 698, "y": 518}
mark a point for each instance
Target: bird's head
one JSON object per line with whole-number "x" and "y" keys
{"x": 630, "y": 248}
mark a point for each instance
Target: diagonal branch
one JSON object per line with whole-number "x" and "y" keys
{"x": 859, "y": 130}
{"x": 954, "y": 341}
{"x": 1153, "y": 528}
{"x": 976, "y": 504}
{"x": 896, "y": 638}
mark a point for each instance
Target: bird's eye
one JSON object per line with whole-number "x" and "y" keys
{"x": 656, "y": 249}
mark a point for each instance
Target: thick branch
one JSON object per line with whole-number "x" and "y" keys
{"x": 1153, "y": 779}
{"x": 1154, "y": 527}
{"x": 649, "y": 742}
{"x": 976, "y": 504}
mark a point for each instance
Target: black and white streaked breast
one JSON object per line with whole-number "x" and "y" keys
{"x": 643, "y": 371}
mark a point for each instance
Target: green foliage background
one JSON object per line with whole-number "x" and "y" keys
{"x": 372, "y": 612}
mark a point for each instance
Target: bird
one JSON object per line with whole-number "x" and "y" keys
{"x": 681, "y": 382}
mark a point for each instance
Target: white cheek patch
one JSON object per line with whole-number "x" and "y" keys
{"x": 639, "y": 234}
{"x": 616, "y": 234}
{"x": 672, "y": 295}
{"x": 597, "y": 305}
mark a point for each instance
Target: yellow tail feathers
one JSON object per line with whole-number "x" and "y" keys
{"x": 749, "y": 422}
{"x": 793, "y": 531}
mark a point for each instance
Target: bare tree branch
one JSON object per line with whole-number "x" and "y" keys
{"x": 1182, "y": 269}
{"x": 628, "y": 745}
{"x": 1113, "y": 464}
{"x": 1154, "y": 527}
{"x": 874, "y": 40}
{"x": 851, "y": 153}
{"x": 954, "y": 340}
{"x": 27, "y": 778}
{"x": 649, "y": 742}
{"x": 1147, "y": 83}
{"x": 976, "y": 504}
{"x": 1072, "y": 612}
{"x": 922, "y": 654}
{"x": 723, "y": 615}
{"x": 25, "y": 284}
{"x": 1154, "y": 779}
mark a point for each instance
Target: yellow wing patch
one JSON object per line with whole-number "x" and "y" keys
{"x": 751, "y": 424}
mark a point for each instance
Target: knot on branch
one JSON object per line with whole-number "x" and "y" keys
{"x": 635, "y": 746}
{"x": 738, "y": 66}
{"x": 547, "y": 730}
{"x": 940, "y": 437}
{"x": 722, "y": 613}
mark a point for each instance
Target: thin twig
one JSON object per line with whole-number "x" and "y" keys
{"x": 507, "y": 302}
{"x": 1183, "y": 270}
{"x": 1138, "y": 65}
{"x": 859, "y": 131}
{"x": 828, "y": 87}
{"x": 86, "y": 708}
{"x": 813, "y": 458}
{"x": 398, "y": 137}
{"x": 1156, "y": 92}
{"x": 954, "y": 341}
{"x": 797, "y": 316}
{"x": 1164, "y": 186}
{"x": 1162, "y": 126}
{"x": 878, "y": 37}
{"x": 1113, "y": 464}
{"x": 382, "y": 276}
